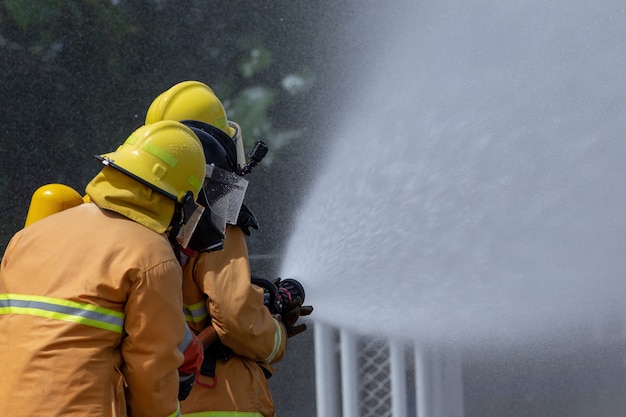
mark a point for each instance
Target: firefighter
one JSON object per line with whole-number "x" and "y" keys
{"x": 217, "y": 291}
{"x": 91, "y": 312}
{"x": 53, "y": 198}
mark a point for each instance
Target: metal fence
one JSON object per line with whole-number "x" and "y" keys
{"x": 363, "y": 376}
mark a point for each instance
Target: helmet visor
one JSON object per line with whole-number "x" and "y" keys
{"x": 191, "y": 217}
{"x": 224, "y": 192}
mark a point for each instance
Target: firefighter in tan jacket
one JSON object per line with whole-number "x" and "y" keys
{"x": 91, "y": 317}
{"x": 217, "y": 289}
{"x": 234, "y": 377}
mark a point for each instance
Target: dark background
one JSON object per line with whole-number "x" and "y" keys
{"x": 78, "y": 77}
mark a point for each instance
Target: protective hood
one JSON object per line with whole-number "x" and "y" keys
{"x": 112, "y": 190}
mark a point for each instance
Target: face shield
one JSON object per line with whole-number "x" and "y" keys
{"x": 191, "y": 215}
{"x": 223, "y": 192}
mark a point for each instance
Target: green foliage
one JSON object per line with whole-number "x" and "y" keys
{"x": 251, "y": 109}
{"x": 29, "y": 13}
{"x": 36, "y": 24}
{"x": 257, "y": 60}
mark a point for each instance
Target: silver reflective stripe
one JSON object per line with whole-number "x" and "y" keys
{"x": 277, "y": 341}
{"x": 186, "y": 340}
{"x": 64, "y": 310}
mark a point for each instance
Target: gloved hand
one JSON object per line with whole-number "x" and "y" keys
{"x": 290, "y": 315}
{"x": 246, "y": 220}
{"x": 193, "y": 358}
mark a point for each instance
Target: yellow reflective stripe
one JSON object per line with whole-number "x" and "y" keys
{"x": 195, "y": 313}
{"x": 223, "y": 414}
{"x": 194, "y": 182}
{"x": 176, "y": 413}
{"x": 221, "y": 123}
{"x": 131, "y": 139}
{"x": 160, "y": 153}
{"x": 277, "y": 341}
{"x": 63, "y": 310}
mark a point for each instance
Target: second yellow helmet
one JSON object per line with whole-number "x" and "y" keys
{"x": 190, "y": 100}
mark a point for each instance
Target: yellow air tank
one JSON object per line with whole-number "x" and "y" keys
{"x": 49, "y": 199}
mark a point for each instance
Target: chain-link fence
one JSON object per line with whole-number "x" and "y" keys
{"x": 374, "y": 378}
{"x": 367, "y": 376}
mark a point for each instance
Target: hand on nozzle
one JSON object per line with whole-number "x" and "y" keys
{"x": 246, "y": 220}
{"x": 291, "y": 313}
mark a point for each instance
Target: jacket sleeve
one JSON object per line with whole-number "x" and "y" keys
{"x": 155, "y": 327}
{"x": 194, "y": 299}
{"x": 236, "y": 307}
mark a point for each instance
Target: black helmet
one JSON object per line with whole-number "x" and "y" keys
{"x": 223, "y": 190}
{"x": 219, "y": 148}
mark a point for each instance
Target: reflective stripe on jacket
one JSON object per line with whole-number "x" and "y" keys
{"x": 223, "y": 414}
{"x": 90, "y": 319}
{"x": 217, "y": 285}
{"x": 58, "y": 309}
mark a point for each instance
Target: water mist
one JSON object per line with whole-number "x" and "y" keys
{"x": 474, "y": 191}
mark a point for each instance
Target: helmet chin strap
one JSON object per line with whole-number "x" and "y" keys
{"x": 213, "y": 247}
{"x": 241, "y": 153}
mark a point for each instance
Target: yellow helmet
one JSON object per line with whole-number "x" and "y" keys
{"x": 166, "y": 156}
{"x": 49, "y": 199}
{"x": 190, "y": 100}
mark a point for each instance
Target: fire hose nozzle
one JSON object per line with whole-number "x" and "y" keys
{"x": 278, "y": 296}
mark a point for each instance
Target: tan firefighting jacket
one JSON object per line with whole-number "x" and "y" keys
{"x": 90, "y": 318}
{"x": 217, "y": 289}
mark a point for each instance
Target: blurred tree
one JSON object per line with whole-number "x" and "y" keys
{"x": 78, "y": 75}
{"x": 60, "y": 64}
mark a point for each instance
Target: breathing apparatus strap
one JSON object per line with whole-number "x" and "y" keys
{"x": 212, "y": 353}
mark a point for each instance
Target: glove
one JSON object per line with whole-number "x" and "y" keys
{"x": 246, "y": 220}
{"x": 290, "y": 315}
{"x": 193, "y": 357}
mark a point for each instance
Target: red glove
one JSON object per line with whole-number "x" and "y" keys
{"x": 194, "y": 355}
